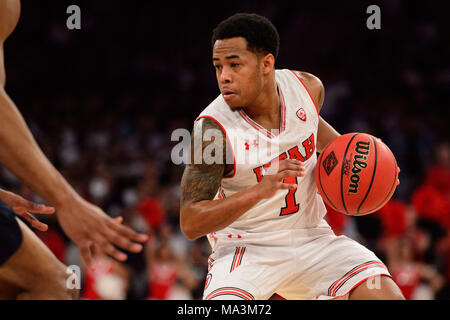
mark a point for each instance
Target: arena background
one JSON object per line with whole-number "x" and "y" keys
{"x": 103, "y": 101}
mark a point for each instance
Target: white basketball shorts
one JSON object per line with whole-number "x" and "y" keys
{"x": 297, "y": 264}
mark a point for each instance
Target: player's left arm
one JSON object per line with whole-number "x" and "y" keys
{"x": 325, "y": 133}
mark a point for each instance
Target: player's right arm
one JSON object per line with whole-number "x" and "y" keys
{"x": 199, "y": 213}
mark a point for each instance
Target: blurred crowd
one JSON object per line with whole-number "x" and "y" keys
{"x": 103, "y": 101}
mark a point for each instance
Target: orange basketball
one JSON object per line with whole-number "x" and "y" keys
{"x": 356, "y": 174}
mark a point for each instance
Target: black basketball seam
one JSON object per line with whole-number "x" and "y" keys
{"x": 373, "y": 176}
{"x": 342, "y": 172}
{"x": 390, "y": 190}
{"x": 320, "y": 180}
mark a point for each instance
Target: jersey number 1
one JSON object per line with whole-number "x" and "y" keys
{"x": 291, "y": 204}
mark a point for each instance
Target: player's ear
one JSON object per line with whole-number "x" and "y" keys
{"x": 267, "y": 63}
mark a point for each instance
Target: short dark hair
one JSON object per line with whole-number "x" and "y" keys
{"x": 260, "y": 33}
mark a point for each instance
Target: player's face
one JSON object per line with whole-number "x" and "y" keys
{"x": 237, "y": 71}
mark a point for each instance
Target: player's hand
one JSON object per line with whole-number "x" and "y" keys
{"x": 24, "y": 208}
{"x": 280, "y": 175}
{"x": 94, "y": 232}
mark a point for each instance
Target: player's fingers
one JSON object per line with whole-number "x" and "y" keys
{"x": 116, "y": 254}
{"x": 289, "y": 164}
{"x": 277, "y": 166}
{"x": 288, "y": 186}
{"x": 295, "y": 161}
{"x": 35, "y": 223}
{"x": 85, "y": 252}
{"x": 34, "y": 207}
{"x": 118, "y": 220}
{"x": 290, "y": 173}
{"x": 121, "y": 241}
{"x": 42, "y": 209}
{"x": 126, "y": 232}
{"x": 105, "y": 247}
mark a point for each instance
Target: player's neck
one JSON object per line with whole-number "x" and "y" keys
{"x": 265, "y": 110}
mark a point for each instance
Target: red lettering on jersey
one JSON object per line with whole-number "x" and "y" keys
{"x": 309, "y": 146}
{"x": 295, "y": 154}
{"x": 291, "y": 205}
{"x": 259, "y": 172}
{"x": 281, "y": 157}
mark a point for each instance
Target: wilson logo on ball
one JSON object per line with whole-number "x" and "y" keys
{"x": 359, "y": 162}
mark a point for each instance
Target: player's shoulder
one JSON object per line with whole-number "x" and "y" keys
{"x": 218, "y": 110}
{"x": 9, "y": 16}
{"x": 308, "y": 79}
{"x": 214, "y": 106}
{"x": 313, "y": 85}
{"x": 212, "y": 116}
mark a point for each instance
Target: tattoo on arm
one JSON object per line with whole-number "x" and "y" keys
{"x": 200, "y": 183}
{"x": 201, "y": 179}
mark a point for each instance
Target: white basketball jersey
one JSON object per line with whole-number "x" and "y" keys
{"x": 255, "y": 150}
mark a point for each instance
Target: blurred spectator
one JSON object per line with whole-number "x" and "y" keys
{"x": 169, "y": 278}
{"x": 418, "y": 281}
{"x": 394, "y": 218}
{"x": 443, "y": 248}
{"x": 149, "y": 207}
{"x": 106, "y": 280}
{"x": 432, "y": 198}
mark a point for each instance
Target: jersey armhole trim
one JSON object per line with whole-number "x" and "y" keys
{"x": 229, "y": 144}
{"x": 296, "y": 75}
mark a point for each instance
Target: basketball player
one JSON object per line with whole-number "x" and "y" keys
{"x": 28, "y": 270}
{"x": 266, "y": 228}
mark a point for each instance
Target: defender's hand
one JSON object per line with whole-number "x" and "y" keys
{"x": 23, "y": 208}
{"x": 274, "y": 177}
{"x": 93, "y": 231}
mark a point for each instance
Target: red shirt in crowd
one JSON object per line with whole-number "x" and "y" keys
{"x": 151, "y": 210}
{"x": 162, "y": 279}
{"x": 407, "y": 277}
{"x": 432, "y": 199}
